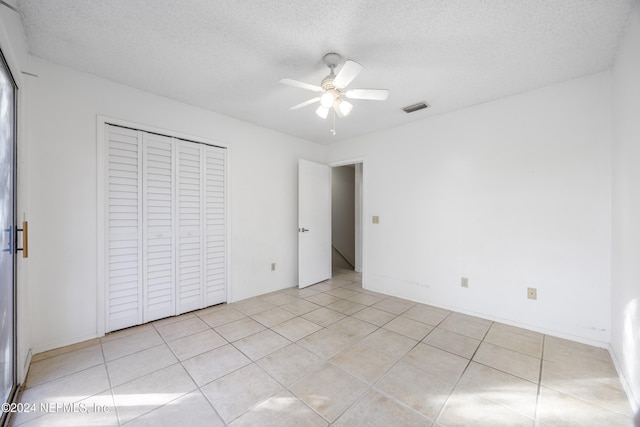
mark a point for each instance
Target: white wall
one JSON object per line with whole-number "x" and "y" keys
{"x": 14, "y": 46}
{"x": 625, "y": 337}
{"x": 343, "y": 211}
{"x": 512, "y": 194}
{"x": 64, "y": 105}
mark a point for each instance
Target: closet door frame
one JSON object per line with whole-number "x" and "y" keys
{"x": 102, "y": 146}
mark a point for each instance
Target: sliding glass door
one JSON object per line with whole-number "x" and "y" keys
{"x": 8, "y": 228}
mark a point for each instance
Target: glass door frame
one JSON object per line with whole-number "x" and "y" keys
{"x": 5, "y": 417}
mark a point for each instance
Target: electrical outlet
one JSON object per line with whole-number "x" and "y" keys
{"x": 464, "y": 282}
{"x": 273, "y": 266}
{"x": 532, "y": 293}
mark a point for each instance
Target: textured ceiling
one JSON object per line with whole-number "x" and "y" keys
{"x": 228, "y": 55}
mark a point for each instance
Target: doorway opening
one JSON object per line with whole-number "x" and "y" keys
{"x": 315, "y": 204}
{"x": 346, "y": 218}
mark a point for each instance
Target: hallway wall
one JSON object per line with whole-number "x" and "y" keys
{"x": 343, "y": 211}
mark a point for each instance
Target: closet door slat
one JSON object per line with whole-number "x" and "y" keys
{"x": 124, "y": 227}
{"x": 215, "y": 263}
{"x": 189, "y": 227}
{"x": 158, "y": 227}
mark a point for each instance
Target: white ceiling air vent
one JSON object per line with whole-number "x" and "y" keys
{"x": 415, "y": 107}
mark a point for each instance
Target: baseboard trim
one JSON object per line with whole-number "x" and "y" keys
{"x": 344, "y": 257}
{"x": 634, "y": 401}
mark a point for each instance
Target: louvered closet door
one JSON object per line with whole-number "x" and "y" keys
{"x": 190, "y": 238}
{"x": 124, "y": 227}
{"x": 158, "y": 222}
{"x": 166, "y": 240}
{"x": 215, "y": 219}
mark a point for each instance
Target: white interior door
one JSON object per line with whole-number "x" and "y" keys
{"x": 314, "y": 223}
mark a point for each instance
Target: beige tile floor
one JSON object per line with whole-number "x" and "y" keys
{"x": 330, "y": 354}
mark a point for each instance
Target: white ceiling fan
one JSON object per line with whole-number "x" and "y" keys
{"x": 333, "y": 88}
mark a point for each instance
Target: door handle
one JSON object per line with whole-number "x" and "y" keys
{"x": 25, "y": 239}
{"x": 302, "y": 230}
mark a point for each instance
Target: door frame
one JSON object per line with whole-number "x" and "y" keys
{"x": 361, "y": 242}
{"x": 101, "y": 238}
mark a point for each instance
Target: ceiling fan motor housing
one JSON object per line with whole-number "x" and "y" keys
{"x": 327, "y": 82}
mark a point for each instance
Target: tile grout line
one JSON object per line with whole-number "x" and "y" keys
{"x": 180, "y": 362}
{"x": 254, "y": 362}
{"x": 106, "y": 369}
{"x": 165, "y": 343}
{"x": 325, "y": 362}
{"x": 372, "y": 386}
{"x": 284, "y": 387}
{"x": 539, "y": 388}
{"x": 453, "y": 389}
{"x": 328, "y": 361}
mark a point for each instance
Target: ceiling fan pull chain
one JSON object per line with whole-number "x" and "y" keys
{"x": 333, "y": 131}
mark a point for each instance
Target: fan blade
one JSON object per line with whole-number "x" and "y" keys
{"x": 349, "y": 71}
{"x": 302, "y": 85}
{"x": 371, "y": 94}
{"x": 305, "y": 103}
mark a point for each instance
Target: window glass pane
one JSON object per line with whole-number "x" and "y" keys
{"x": 7, "y": 327}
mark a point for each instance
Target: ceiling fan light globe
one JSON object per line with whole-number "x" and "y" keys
{"x": 345, "y": 107}
{"x": 323, "y": 112}
{"x": 326, "y": 100}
